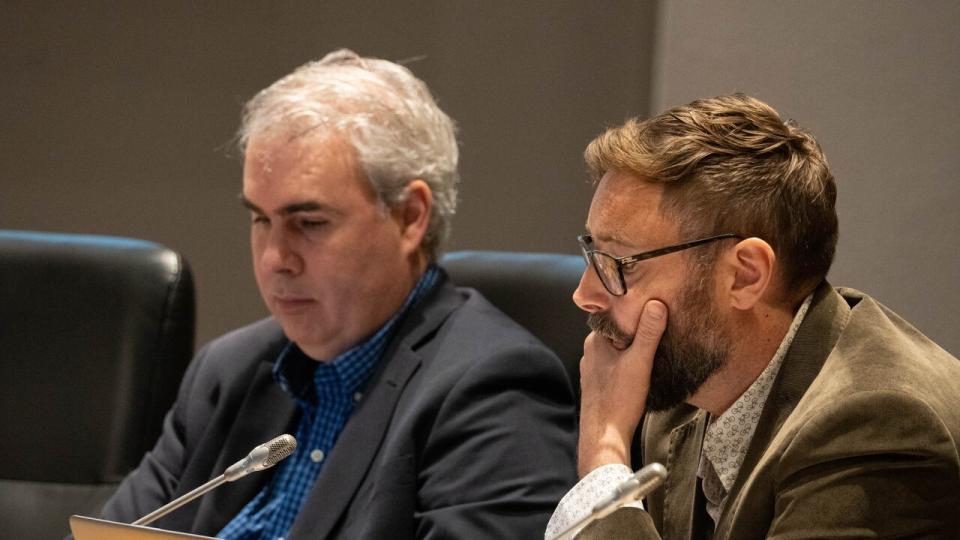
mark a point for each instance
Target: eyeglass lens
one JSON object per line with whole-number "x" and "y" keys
{"x": 604, "y": 266}
{"x": 609, "y": 273}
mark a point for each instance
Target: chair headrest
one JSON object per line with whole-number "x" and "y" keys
{"x": 534, "y": 289}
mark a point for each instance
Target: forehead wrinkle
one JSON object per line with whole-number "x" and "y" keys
{"x": 627, "y": 214}
{"x": 306, "y": 157}
{"x": 310, "y": 144}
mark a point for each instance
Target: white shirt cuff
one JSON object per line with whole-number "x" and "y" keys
{"x": 578, "y": 502}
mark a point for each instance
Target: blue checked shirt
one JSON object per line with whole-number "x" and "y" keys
{"x": 325, "y": 407}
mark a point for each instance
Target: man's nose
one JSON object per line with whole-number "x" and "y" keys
{"x": 590, "y": 295}
{"x": 279, "y": 256}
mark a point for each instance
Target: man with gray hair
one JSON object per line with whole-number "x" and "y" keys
{"x": 420, "y": 410}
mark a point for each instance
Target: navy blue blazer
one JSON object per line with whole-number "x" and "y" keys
{"x": 466, "y": 430}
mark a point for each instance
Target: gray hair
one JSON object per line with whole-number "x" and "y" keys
{"x": 386, "y": 114}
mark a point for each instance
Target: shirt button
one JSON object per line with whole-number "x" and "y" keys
{"x": 316, "y": 455}
{"x": 357, "y": 396}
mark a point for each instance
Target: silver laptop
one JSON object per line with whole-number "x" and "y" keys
{"x": 87, "y": 528}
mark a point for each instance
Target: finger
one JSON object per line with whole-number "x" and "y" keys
{"x": 587, "y": 349}
{"x": 653, "y": 321}
{"x": 598, "y": 342}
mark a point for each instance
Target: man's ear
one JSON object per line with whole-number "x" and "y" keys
{"x": 749, "y": 269}
{"x": 413, "y": 214}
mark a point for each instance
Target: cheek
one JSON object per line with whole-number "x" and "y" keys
{"x": 256, "y": 245}
{"x": 626, "y": 314}
{"x": 630, "y": 306}
{"x": 380, "y": 241}
{"x": 256, "y": 252}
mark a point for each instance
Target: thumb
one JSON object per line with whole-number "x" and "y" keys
{"x": 653, "y": 321}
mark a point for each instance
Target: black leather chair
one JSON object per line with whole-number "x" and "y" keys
{"x": 534, "y": 289}
{"x": 96, "y": 333}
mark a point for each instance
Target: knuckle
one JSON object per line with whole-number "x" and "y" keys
{"x": 651, "y": 326}
{"x": 649, "y": 332}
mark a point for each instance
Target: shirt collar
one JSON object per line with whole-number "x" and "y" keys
{"x": 728, "y": 435}
{"x": 298, "y": 374}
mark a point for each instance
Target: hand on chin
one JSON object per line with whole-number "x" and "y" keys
{"x": 614, "y": 381}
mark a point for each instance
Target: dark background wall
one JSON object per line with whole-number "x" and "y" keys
{"x": 878, "y": 83}
{"x": 117, "y": 117}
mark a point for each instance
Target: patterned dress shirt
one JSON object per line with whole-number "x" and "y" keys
{"x": 724, "y": 447}
{"x": 326, "y": 393}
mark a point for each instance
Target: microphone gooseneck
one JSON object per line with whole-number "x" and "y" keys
{"x": 262, "y": 457}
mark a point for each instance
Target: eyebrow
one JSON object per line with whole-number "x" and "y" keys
{"x": 611, "y": 237}
{"x": 292, "y": 208}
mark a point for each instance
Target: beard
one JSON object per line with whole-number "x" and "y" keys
{"x": 693, "y": 346}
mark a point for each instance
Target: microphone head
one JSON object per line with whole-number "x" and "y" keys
{"x": 278, "y": 449}
{"x": 262, "y": 457}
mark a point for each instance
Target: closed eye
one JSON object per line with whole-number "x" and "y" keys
{"x": 630, "y": 267}
{"x": 312, "y": 223}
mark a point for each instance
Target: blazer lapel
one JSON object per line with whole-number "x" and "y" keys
{"x": 267, "y": 410}
{"x": 811, "y": 345}
{"x": 364, "y": 432}
{"x": 354, "y": 452}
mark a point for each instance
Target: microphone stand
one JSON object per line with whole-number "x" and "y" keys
{"x": 177, "y": 503}
{"x": 262, "y": 457}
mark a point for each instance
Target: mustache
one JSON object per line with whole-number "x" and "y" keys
{"x": 602, "y": 323}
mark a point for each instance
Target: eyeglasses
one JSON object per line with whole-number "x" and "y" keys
{"x": 610, "y": 269}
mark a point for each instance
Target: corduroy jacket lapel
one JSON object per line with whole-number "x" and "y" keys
{"x": 813, "y": 342}
{"x": 673, "y": 508}
{"x": 680, "y": 488}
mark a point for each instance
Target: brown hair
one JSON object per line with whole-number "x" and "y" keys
{"x": 729, "y": 164}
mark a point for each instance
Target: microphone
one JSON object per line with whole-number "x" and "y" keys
{"x": 262, "y": 457}
{"x": 636, "y": 487}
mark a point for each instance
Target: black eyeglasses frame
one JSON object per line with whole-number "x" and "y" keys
{"x": 586, "y": 243}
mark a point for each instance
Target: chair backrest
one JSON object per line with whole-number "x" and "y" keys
{"x": 96, "y": 333}
{"x": 534, "y": 289}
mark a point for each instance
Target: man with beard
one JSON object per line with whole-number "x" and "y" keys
{"x": 780, "y": 406}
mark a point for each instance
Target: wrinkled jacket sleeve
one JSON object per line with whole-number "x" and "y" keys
{"x": 883, "y": 464}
